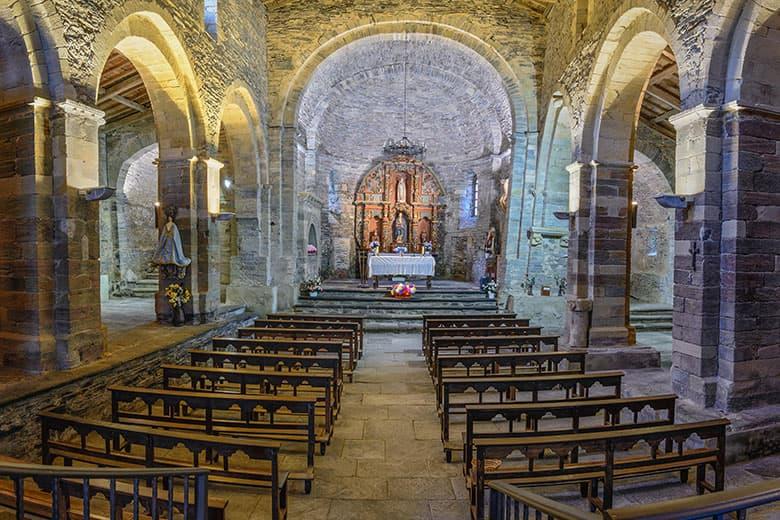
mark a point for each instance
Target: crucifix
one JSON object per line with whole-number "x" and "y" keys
{"x": 694, "y": 250}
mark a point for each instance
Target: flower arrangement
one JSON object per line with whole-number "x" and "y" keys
{"x": 490, "y": 286}
{"x": 313, "y": 285}
{"x": 427, "y": 247}
{"x": 177, "y": 295}
{"x": 400, "y": 250}
{"x": 311, "y": 250}
{"x": 403, "y": 290}
{"x": 528, "y": 284}
{"x": 374, "y": 246}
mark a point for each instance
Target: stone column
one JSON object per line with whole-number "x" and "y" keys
{"x": 609, "y": 259}
{"x": 511, "y": 262}
{"x": 79, "y": 333}
{"x": 578, "y": 303}
{"x": 697, "y": 255}
{"x": 749, "y": 357}
{"x": 282, "y": 163}
{"x": 26, "y": 226}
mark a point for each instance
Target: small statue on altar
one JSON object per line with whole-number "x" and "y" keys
{"x": 426, "y": 246}
{"x": 400, "y": 192}
{"x": 170, "y": 253}
{"x": 400, "y": 227}
{"x": 374, "y": 244}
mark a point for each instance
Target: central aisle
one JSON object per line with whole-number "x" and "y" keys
{"x": 385, "y": 460}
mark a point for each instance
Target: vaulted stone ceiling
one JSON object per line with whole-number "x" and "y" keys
{"x": 457, "y": 103}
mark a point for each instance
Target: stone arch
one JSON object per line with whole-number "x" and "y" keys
{"x": 146, "y": 39}
{"x": 747, "y": 82}
{"x": 243, "y": 151}
{"x": 135, "y": 207}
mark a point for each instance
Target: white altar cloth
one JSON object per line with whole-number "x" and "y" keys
{"x": 397, "y": 265}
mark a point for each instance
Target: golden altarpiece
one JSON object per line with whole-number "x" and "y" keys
{"x": 399, "y": 202}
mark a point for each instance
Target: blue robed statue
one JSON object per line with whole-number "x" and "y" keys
{"x": 169, "y": 249}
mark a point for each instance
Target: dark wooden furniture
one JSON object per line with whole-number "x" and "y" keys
{"x": 506, "y": 364}
{"x": 547, "y": 460}
{"x": 345, "y": 336}
{"x": 355, "y": 342}
{"x": 259, "y": 382}
{"x": 54, "y": 492}
{"x": 116, "y": 450}
{"x": 469, "y": 323}
{"x": 527, "y": 419}
{"x": 327, "y": 364}
{"x": 507, "y": 388}
{"x": 335, "y": 318}
{"x": 266, "y": 417}
{"x": 489, "y": 345}
{"x": 464, "y": 320}
{"x": 299, "y": 347}
{"x": 462, "y": 332}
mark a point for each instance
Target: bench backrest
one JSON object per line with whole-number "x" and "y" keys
{"x": 265, "y": 361}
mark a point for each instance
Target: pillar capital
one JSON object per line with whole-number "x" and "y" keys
{"x": 81, "y": 111}
{"x": 692, "y": 115}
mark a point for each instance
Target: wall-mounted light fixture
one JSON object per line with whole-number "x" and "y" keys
{"x": 562, "y": 215}
{"x": 634, "y": 213}
{"x": 97, "y": 193}
{"x": 672, "y": 201}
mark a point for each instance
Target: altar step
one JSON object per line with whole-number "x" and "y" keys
{"x": 647, "y": 317}
{"x": 384, "y": 313}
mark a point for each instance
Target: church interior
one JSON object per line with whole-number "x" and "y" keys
{"x": 417, "y": 259}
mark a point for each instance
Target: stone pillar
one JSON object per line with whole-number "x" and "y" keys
{"x": 26, "y": 226}
{"x": 579, "y": 305}
{"x": 284, "y": 208}
{"x": 749, "y": 357}
{"x": 697, "y": 255}
{"x": 79, "y": 333}
{"x": 510, "y": 263}
{"x": 609, "y": 259}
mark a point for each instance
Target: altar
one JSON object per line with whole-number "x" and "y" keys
{"x": 401, "y": 265}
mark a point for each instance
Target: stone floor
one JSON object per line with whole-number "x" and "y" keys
{"x": 661, "y": 341}
{"x": 386, "y": 462}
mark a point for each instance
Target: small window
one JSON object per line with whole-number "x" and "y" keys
{"x": 475, "y": 196}
{"x": 210, "y": 16}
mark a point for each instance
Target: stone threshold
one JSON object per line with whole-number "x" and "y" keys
{"x": 125, "y": 347}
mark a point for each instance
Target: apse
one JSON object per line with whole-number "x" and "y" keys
{"x": 456, "y": 105}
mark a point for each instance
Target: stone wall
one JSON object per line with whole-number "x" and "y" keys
{"x": 87, "y": 396}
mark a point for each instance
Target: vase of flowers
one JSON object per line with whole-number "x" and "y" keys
{"x": 374, "y": 247}
{"x": 490, "y": 288}
{"x": 311, "y": 250}
{"x": 427, "y": 248}
{"x": 403, "y": 290}
{"x": 312, "y": 287}
{"x": 177, "y": 296}
{"x": 400, "y": 250}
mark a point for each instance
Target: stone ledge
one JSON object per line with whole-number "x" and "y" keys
{"x": 617, "y": 358}
{"x": 126, "y": 347}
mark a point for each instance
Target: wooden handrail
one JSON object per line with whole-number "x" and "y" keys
{"x": 34, "y": 470}
{"x": 525, "y": 500}
{"x": 703, "y": 506}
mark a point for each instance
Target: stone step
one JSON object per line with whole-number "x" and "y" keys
{"x": 395, "y": 305}
{"x": 651, "y": 317}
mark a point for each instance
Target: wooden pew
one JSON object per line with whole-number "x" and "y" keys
{"x": 38, "y": 502}
{"x": 668, "y": 453}
{"x": 468, "y": 320}
{"x": 298, "y": 347}
{"x": 526, "y": 419}
{"x": 338, "y": 318}
{"x": 346, "y": 337}
{"x": 264, "y": 382}
{"x": 319, "y": 364}
{"x": 441, "y": 332}
{"x": 566, "y": 387}
{"x": 508, "y": 363}
{"x": 317, "y": 324}
{"x": 119, "y": 440}
{"x": 489, "y": 344}
{"x": 243, "y": 422}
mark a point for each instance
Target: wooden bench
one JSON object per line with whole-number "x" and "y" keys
{"x": 263, "y": 381}
{"x": 489, "y": 345}
{"x": 346, "y": 337}
{"x": 564, "y": 387}
{"x": 38, "y": 502}
{"x": 441, "y": 332}
{"x": 547, "y": 460}
{"x": 526, "y": 419}
{"x": 298, "y": 347}
{"x": 509, "y": 363}
{"x": 300, "y": 316}
{"x": 328, "y": 364}
{"x": 238, "y": 416}
{"x": 466, "y": 320}
{"x": 317, "y": 324}
{"x": 116, "y": 450}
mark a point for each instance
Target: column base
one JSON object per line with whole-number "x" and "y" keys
{"x": 612, "y": 336}
{"x": 626, "y": 357}
{"x": 700, "y": 390}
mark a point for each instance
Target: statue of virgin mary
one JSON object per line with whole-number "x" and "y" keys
{"x": 169, "y": 250}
